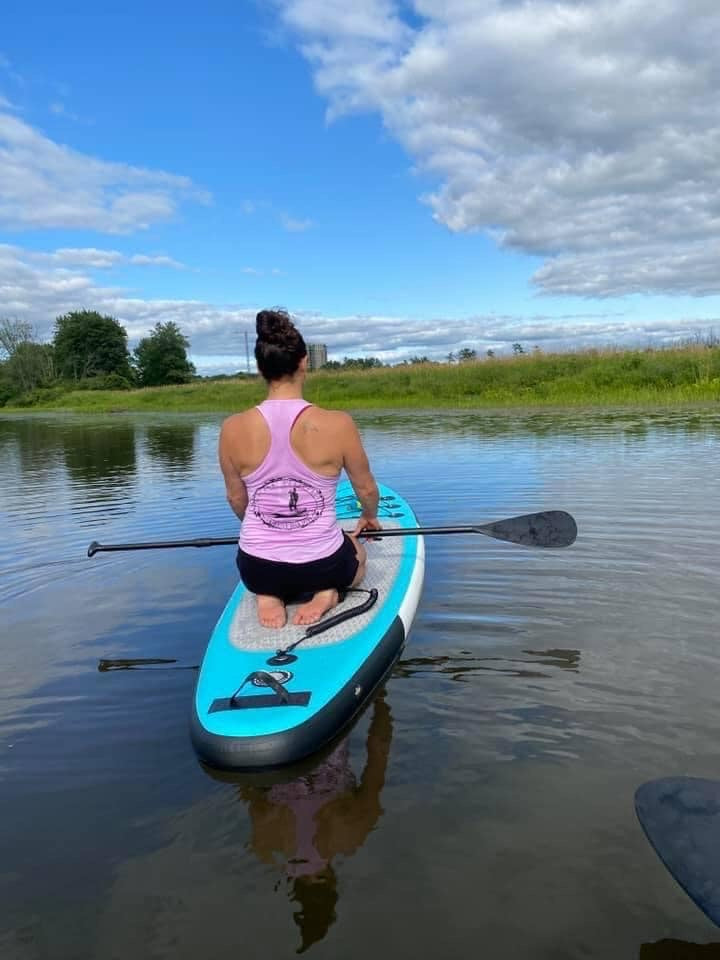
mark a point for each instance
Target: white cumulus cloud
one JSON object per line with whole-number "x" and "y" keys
{"x": 587, "y": 133}
{"x": 44, "y": 184}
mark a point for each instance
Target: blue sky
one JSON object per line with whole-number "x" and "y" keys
{"x": 405, "y": 178}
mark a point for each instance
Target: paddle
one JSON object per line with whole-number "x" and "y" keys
{"x": 681, "y": 819}
{"x": 551, "y": 528}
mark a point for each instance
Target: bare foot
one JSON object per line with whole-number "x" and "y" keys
{"x": 271, "y": 611}
{"x": 314, "y": 609}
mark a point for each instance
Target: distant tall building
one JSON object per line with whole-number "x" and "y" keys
{"x": 317, "y": 355}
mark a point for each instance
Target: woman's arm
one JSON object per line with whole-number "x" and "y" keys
{"x": 357, "y": 467}
{"x": 234, "y": 484}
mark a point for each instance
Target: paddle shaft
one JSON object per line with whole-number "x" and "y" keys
{"x": 553, "y": 528}
{"x": 96, "y": 547}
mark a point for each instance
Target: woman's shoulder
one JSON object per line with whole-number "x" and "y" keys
{"x": 338, "y": 415}
{"x": 240, "y": 421}
{"x": 331, "y": 419}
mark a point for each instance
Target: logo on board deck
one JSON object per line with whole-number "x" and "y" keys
{"x": 287, "y": 504}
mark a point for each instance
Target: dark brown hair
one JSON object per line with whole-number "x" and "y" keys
{"x": 279, "y": 347}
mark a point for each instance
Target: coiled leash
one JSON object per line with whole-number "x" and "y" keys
{"x": 285, "y": 654}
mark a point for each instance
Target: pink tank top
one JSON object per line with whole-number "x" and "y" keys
{"x": 291, "y": 509}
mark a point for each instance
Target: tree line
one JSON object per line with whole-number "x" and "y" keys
{"x": 89, "y": 350}
{"x": 463, "y": 355}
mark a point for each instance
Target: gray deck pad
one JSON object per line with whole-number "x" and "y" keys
{"x": 384, "y": 558}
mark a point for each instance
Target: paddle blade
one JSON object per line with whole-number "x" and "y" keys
{"x": 681, "y": 819}
{"x": 552, "y": 528}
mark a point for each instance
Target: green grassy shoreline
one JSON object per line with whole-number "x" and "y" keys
{"x": 687, "y": 375}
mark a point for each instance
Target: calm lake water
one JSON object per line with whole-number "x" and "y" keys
{"x": 489, "y": 812}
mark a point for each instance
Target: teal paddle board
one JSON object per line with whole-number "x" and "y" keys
{"x": 265, "y": 697}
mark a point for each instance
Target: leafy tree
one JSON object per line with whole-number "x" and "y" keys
{"x": 517, "y": 349}
{"x": 490, "y": 354}
{"x": 13, "y": 332}
{"x": 451, "y": 358}
{"x": 90, "y": 344}
{"x": 6, "y": 390}
{"x": 161, "y": 357}
{"x": 29, "y": 364}
{"x": 361, "y": 363}
{"x": 466, "y": 354}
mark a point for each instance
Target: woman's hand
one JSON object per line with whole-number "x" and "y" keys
{"x": 366, "y": 524}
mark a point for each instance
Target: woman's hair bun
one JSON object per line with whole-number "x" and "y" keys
{"x": 274, "y": 326}
{"x": 280, "y": 346}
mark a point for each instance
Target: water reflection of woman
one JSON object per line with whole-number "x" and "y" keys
{"x": 306, "y": 823}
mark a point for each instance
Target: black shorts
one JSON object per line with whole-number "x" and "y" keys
{"x": 289, "y": 581}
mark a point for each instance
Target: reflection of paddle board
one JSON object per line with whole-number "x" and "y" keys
{"x": 253, "y": 709}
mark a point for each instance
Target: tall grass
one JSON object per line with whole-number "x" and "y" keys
{"x": 686, "y": 374}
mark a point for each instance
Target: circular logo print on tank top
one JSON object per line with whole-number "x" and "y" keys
{"x": 285, "y": 503}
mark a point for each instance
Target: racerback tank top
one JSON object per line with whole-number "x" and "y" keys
{"x": 290, "y": 515}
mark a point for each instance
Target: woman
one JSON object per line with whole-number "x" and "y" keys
{"x": 281, "y": 462}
